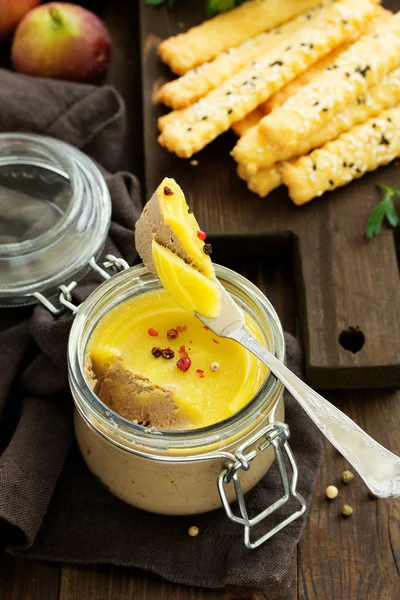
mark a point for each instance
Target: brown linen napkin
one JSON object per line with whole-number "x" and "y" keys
{"x": 35, "y": 406}
{"x": 51, "y": 507}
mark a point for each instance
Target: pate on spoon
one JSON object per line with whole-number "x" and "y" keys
{"x": 169, "y": 247}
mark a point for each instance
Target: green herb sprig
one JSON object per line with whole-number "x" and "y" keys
{"x": 212, "y": 6}
{"x": 384, "y": 210}
{"x": 217, "y": 6}
{"x": 156, "y": 3}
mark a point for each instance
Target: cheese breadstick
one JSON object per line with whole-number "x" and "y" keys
{"x": 254, "y": 152}
{"x": 361, "y": 66}
{"x": 264, "y": 181}
{"x": 198, "y": 82}
{"x": 364, "y": 148}
{"x": 203, "y": 43}
{"x": 238, "y": 96}
{"x": 239, "y": 127}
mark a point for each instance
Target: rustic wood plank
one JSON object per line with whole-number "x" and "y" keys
{"x": 343, "y": 281}
{"x": 121, "y": 18}
{"x": 118, "y": 583}
{"x": 28, "y": 580}
{"x": 357, "y": 558}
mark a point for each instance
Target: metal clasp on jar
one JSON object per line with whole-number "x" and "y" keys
{"x": 65, "y": 297}
{"x": 275, "y": 434}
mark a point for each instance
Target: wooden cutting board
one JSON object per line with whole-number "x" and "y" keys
{"x": 348, "y": 288}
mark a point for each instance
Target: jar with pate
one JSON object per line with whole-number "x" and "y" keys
{"x": 169, "y": 472}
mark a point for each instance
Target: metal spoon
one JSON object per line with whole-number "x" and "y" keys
{"x": 378, "y": 467}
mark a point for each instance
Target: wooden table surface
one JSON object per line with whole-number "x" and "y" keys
{"x": 337, "y": 559}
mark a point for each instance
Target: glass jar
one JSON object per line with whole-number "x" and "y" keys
{"x": 55, "y": 212}
{"x": 189, "y": 472}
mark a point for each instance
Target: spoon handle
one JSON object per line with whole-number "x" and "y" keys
{"x": 378, "y": 467}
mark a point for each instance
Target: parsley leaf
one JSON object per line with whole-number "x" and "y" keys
{"x": 212, "y": 6}
{"x": 384, "y": 209}
{"x": 158, "y": 2}
{"x": 217, "y": 6}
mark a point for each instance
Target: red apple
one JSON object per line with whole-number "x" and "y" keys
{"x": 11, "y": 13}
{"x": 62, "y": 40}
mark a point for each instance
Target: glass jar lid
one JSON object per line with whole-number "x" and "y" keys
{"x": 55, "y": 212}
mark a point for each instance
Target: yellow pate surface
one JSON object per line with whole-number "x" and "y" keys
{"x": 204, "y": 396}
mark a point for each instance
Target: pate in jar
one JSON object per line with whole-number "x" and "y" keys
{"x": 212, "y": 454}
{"x": 163, "y": 471}
{"x": 167, "y": 412}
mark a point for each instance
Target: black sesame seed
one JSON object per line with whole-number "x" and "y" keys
{"x": 230, "y": 111}
{"x": 345, "y": 22}
{"x": 288, "y": 47}
{"x": 389, "y": 120}
{"x": 364, "y": 71}
{"x": 373, "y": 125}
{"x": 358, "y": 101}
{"x": 311, "y": 46}
{"x": 229, "y": 93}
{"x": 309, "y": 16}
{"x": 351, "y": 165}
{"x": 347, "y": 74}
{"x": 316, "y": 103}
{"x": 245, "y": 82}
{"x": 314, "y": 167}
{"x": 344, "y": 164}
{"x": 303, "y": 44}
{"x": 207, "y": 249}
{"x": 277, "y": 63}
{"x": 254, "y": 77}
{"x": 331, "y": 182}
{"x": 358, "y": 170}
{"x": 204, "y": 118}
{"x": 324, "y": 109}
{"x": 189, "y": 128}
{"x": 384, "y": 141}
